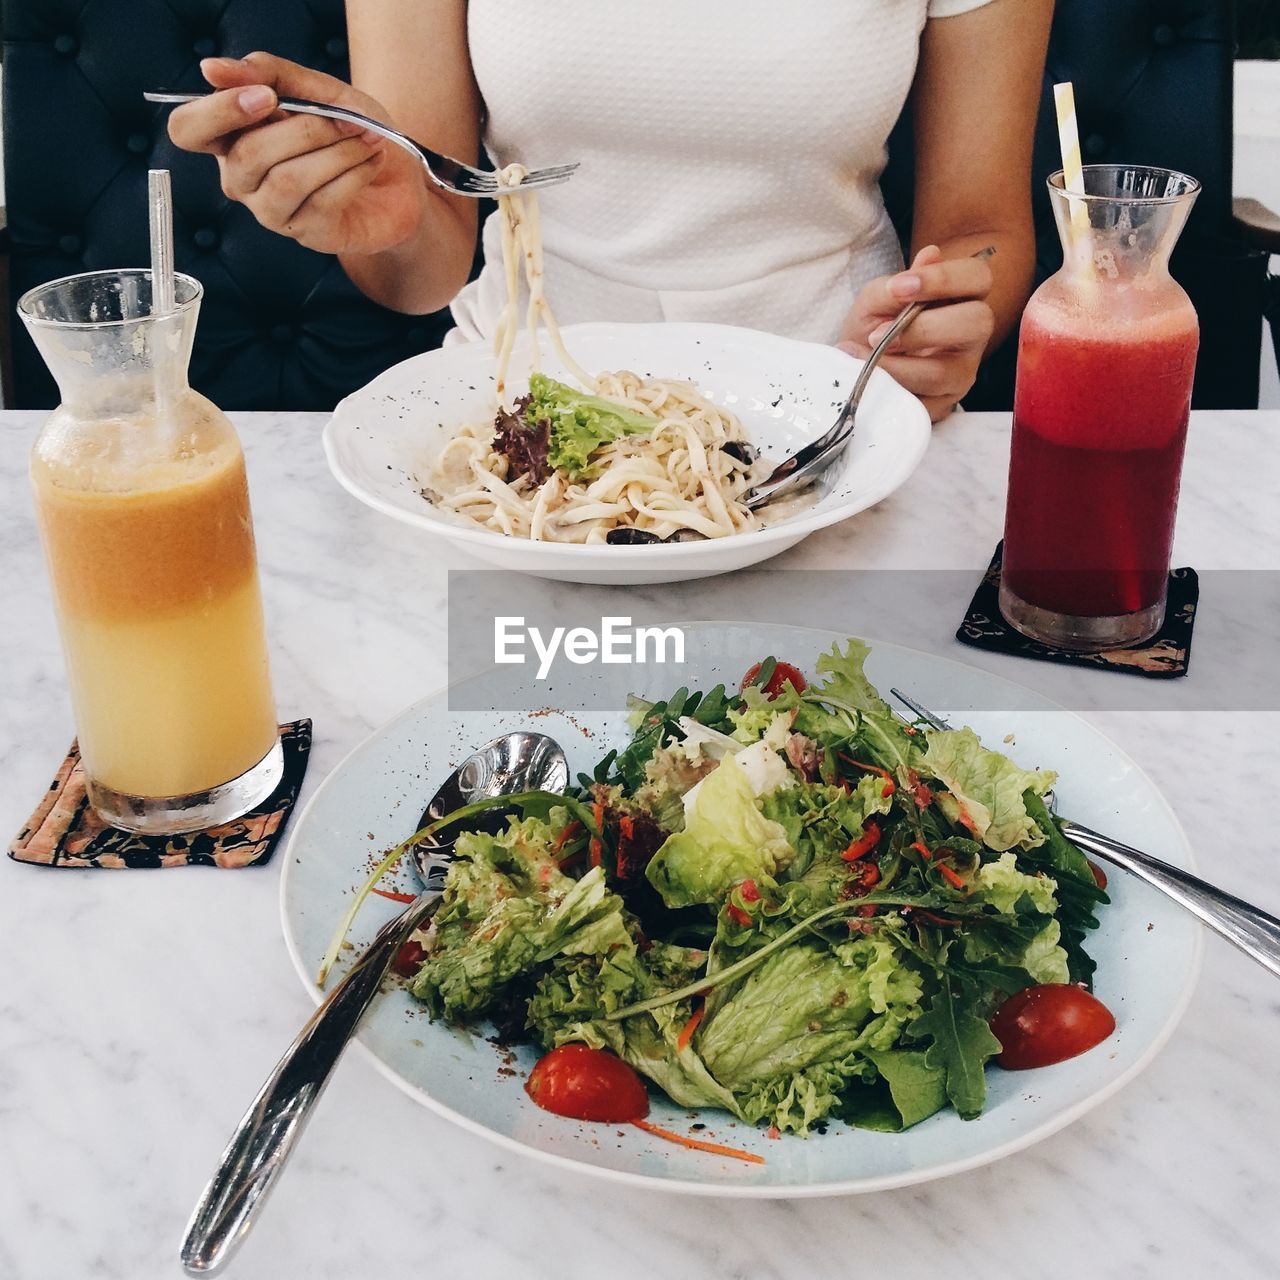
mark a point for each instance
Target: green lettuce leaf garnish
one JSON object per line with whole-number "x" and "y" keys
{"x": 985, "y": 789}
{"x": 796, "y": 1031}
{"x": 508, "y": 908}
{"x": 726, "y": 840}
{"x": 580, "y": 423}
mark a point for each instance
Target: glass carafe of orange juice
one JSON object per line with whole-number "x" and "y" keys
{"x": 144, "y": 514}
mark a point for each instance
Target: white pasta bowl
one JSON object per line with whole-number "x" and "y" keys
{"x": 382, "y": 440}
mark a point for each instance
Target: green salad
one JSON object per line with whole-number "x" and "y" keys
{"x": 788, "y": 903}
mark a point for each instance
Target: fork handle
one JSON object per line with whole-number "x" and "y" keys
{"x": 269, "y": 1130}
{"x": 1254, "y": 931}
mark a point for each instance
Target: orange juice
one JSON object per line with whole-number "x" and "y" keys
{"x": 156, "y": 587}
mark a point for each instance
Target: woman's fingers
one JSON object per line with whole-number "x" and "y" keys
{"x": 212, "y": 124}
{"x": 940, "y": 328}
{"x": 314, "y": 221}
{"x": 288, "y": 79}
{"x": 248, "y": 90}
{"x": 928, "y": 376}
{"x": 253, "y": 155}
{"x": 287, "y": 186}
{"x": 927, "y": 281}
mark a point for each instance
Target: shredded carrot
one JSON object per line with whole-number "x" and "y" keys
{"x": 395, "y": 897}
{"x": 889, "y": 785}
{"x": 922, "y": 849}
{"x": 951, "y": 877}
{"x": 597, "y": 812}
{"x": 686, "y": 1032}
{"x": 626, "y": 832}
{"x": 715, "y": 1148}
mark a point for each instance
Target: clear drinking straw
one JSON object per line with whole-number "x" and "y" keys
{"x": 160, "y": 217}
{"x": 160, "y": 208}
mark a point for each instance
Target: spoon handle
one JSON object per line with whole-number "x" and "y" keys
{"x": 266, "y": 1136}
{"x": 1254, "y": 931}
{"x": 803, "y": 466}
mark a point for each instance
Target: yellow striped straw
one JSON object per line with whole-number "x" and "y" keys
{"x": 1064, "y": 99}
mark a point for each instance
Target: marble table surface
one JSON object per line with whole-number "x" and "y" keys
{"x": 140, "y": 1011}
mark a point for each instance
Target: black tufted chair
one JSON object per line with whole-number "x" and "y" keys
{"x": 283, "y": 328}
{"x": 280, "y": 327}
{"x": 1153, "y": 85}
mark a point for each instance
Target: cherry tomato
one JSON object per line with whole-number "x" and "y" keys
{"x": 582, "y": 1083}
{"x": 1099, "y": 876}
{"x": 409, "y": 959}
{"x": 783, "y": 673}
{"x": 1049, "y": 1023}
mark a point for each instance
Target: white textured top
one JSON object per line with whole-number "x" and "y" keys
{"x": 730, "y": 153}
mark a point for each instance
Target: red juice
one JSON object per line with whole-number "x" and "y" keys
{"x": 1099, "y": 428}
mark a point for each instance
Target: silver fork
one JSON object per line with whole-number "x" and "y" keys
{"x": 447, "y": 174}
{"x": 1254, "y": 931}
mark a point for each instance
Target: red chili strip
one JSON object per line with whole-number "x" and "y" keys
{"x": 863, "y": 845}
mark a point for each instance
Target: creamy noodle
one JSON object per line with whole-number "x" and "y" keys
{"x": 676, "y": 478}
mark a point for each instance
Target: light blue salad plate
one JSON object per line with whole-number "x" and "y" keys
{"x": 1147, "y": 949}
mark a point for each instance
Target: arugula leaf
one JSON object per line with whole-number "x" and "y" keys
{"x": 908, "y": 1091}
{"x": 960, "y": 1044}
{"x": 657, "y": 723}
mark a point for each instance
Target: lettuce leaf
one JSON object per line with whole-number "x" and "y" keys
{"x": 726, "y": 840}
{"x": 820, "y": 821}
{"x": 847, "y": 681}
{"x": 1002, "y": 885}
{"x": 798, "y": 1028}
{"x": 507, "y": 909}
{"x": 573, "y": 997}
{"x": 580, "y": 423}
{"x": 984, "y": 789}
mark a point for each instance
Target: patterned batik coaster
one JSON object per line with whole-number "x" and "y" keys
{"x": 65, "y": 832}
{"x": 1164, "y": 657}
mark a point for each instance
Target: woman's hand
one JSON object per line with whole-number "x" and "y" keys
{"x": 327, "y": 184}
{"x": 937, "y": 355}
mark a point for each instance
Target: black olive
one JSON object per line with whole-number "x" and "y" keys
{"x": 630, "y": 537}
{"x": 740, "y": 449}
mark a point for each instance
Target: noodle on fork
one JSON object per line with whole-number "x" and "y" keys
{"x": 686, "y": 475}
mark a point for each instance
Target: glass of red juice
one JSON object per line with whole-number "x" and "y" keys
{"x": 1106, "y": 356}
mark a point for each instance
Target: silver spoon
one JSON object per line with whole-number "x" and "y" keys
{"x": 807, "y": 464}
{"x": 266, "y": 1136}
{"x": 1254, "y": 931}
